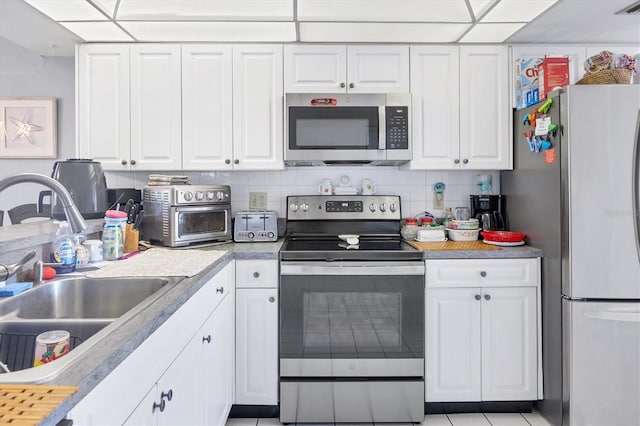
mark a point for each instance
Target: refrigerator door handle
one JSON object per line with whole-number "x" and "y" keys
{"x": 636, "y": 184}
{"x": 614, "y": 315}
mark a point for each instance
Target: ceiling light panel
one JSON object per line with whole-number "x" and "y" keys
{"x": 68, "y": 10}
{"x": 517, "y": 10}
{"x": 107, "y": 6}
{"x": 97, "y": 31}
{"x": 206, "y": 10}
{"x": 491, "y": 33}
{"x": 212, "y": 31}
{"x": 380, "y": 32}
{"x": 479, "y": 7}
{"x": 383, "y": 10}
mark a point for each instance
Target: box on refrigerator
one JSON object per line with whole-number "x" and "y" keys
{"x": 552, "y": 73}
{"x": 527, "y": 82}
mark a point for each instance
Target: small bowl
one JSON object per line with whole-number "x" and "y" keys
{"x": 503, "y": 236}
{"x": 463, "y": 234}
{"x": 464, "y": 224}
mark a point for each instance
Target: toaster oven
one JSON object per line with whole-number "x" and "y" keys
{"x": 179, "y": 215}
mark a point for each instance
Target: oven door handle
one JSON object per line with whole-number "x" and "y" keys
{"x": 352, "y": 268}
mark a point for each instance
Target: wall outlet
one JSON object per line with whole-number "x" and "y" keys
{"x": 438, "y": 201}
{"x": 257, "y": 201}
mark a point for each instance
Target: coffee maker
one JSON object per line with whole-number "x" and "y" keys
{"x": 490, "y": 210}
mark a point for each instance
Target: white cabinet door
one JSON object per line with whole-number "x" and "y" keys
{"x": 485, "y": 114}
{"x": 146, "y": 413}
{"x": 257, "y": 346}
{"x": 378, "y": 69}
{"x": 155, "y": 107}
{"x": 315, "y": 68}
{"x": 453, "y": 339}
{"x": 207, "y": 107}
{"x": 258, "y": 107}
{"x": 435, "y": 107}
{"x": 103, "y": 105}
{"x": 509, "y": 349}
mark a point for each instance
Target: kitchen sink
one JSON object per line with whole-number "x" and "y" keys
{"x": 83, "y": 298}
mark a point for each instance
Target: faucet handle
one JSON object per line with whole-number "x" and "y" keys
{"x": 38, "y": 270}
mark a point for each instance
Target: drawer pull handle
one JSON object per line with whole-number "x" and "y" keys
{"x": 158, "y": 406}
{"x": 220, "y": 290}
{"x": 256, "y": 274}
{"x": 207, "y": 339}
{"x": 483, "y": 274}
{"x": 487, "y": 297}
{"x": 272, "y": 299}
{"x": 167, "y": 395}
{"x": 477, "y": 296}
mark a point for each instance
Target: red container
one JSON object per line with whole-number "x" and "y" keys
{"x": 503, "y": 236}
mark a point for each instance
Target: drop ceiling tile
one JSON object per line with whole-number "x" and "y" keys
{"x": 211, "y": 31}
{"x": 517, "y": 10}
{"x": 491, "y": 33}
{"x": 107, "y": 6}
{"x": 68, "y": 10}
{"x": 380, "y": 32}
{"x": 97, "y": 31}
{"x": 383, "y": 10}
{"x": 479, "y": 7}
{"x": 206, "y": 10}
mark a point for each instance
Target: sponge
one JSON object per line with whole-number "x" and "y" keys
{"x": 14, "y": 288}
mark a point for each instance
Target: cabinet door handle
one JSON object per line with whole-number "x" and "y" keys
{"x": 227, "y": 161}
{"x": 483, "y": 274}
{"x": 236, "y": 161}
{"x": 207, "y": 339}
{"x": 272, "y": 299}
{"x": 487, "y": 297}
{"x": 167, "y": 395}
{"x": 256, "y": 274}
{"x": 220, "y": 290}
{"x": 456, "y": 161}
{"x": 477, "y": 296}
{"x": 133, "y": 162}
{"x": 158, "y": 406}
{"x": 351, "y": 85}
{"x": 123, "y": 162}
{"x": 465, "y": 161}
{"x": 342, "y": 85}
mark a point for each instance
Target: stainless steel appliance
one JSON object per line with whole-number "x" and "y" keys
{"x": 580, "y": 204}
{"x": 351, "y": 313}
{"x": 347, "y": 129}
{"x": 490, "y": 210}
{"x": 253, "y": 226}
{"x": 85, "y": 181}
{"x": 179, "y": 215}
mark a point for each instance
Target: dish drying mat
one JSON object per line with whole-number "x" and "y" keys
{"x": 30, "y": 404}
{"x": 160, "y": 263}
{"x": 452, "y": 245}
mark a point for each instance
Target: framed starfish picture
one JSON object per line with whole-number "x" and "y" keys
{"x": 28, "y": 128}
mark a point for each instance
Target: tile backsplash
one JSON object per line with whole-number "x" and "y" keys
{"x": 415, "y": 187}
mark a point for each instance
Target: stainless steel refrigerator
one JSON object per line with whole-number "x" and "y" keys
{"x": 580, "y": 204}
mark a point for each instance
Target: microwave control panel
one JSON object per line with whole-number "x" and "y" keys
{"x": 397, "y": 122}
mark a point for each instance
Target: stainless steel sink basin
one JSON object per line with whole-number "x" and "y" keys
{"x": 85, "y": 297}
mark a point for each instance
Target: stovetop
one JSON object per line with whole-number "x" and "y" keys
{"x": 332, "y": 249}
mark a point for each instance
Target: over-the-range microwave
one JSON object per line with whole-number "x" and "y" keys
{"x": 344, "y": 128}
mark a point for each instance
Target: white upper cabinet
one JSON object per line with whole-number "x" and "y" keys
{"x": 103, "y": 105}
{"x": 353, "y": 69}
{"x": 207, "y": 113}
{"x": 258, "y": 106}
{"x": 461, "y": 113}
{"x": 155, "y": 107}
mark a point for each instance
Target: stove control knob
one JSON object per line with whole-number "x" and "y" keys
{"x": 372, "y": 207}
{"x": 220, "y": 195}
{"x": 199, "y": 195}
{"x": 293, "y": 207}
{"x": 271, "y": 235}
{"x": 383, "y": 207}
{"x": 304, "y": 207}
{"x": 210, "y": 195}
{"x": 188, "y": 196}
{"x": 393, "y": 207}
{"x": 251, "y": 235}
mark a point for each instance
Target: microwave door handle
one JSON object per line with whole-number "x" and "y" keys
{"x": 382, "y": 127}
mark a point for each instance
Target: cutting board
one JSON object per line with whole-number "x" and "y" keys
{"x": 452, "y": 245}
{"x": 30, "y": 404}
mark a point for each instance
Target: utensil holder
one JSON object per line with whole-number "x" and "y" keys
{"x": 131, "y": 239}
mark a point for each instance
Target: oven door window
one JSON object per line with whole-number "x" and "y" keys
{"x": 352, "y": 317}
{"x": 333, "y": 128}
{"x": 201, "y": 222}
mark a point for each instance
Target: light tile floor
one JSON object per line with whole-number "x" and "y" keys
{"x": 468, "y": 419}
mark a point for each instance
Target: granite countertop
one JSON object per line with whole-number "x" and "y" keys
{"x": 503, "y": 253}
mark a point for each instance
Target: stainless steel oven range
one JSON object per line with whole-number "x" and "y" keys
{"x": 351, "y": 341}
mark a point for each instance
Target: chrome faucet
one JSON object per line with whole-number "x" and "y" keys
{"x": 7, "y": 271}
{"x": 70, "y": 210}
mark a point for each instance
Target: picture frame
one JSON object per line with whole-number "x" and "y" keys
{"x": 28, "y": 127}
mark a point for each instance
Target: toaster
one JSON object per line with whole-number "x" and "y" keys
{"x": 255, "y": 226}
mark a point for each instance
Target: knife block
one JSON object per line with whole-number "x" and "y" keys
{"x": 131, "y": 239}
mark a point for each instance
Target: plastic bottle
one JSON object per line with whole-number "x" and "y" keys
{"x": 63, "y": 250}
{"x": 448, "y": 217}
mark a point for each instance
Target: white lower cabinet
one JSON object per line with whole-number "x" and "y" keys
{"x": 482, "y": 332}
{"x": 257, "y": 332}
{"x": 182, "y": 374}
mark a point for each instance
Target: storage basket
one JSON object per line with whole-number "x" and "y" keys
{"x": 614, "y": 76}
